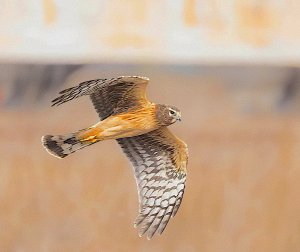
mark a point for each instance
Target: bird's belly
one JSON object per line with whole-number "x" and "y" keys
{"x": 120, "y": 126}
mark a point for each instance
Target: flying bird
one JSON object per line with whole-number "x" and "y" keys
{"x": 158, "y": 157}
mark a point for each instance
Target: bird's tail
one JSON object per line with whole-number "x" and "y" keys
{"x": 63, "y": 145}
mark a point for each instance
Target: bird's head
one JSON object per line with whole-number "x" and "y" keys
{"x": 167, "y": 115}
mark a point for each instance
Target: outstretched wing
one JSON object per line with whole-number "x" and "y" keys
{"x": 159, "y": 159}
{"x": 109, "y": 96}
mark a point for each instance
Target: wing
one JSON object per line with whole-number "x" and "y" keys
{"x": 109, "y": 96}
{"x": 159, "y": 159}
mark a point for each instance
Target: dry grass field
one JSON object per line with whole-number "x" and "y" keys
{"x": 243, "y": 181}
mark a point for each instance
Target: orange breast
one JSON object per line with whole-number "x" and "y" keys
{"x": 123, "y": 125}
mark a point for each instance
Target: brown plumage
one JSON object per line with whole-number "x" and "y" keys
{"x": 159, "y": 158}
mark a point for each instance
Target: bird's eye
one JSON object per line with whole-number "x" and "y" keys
{"x": 172, "y": 112}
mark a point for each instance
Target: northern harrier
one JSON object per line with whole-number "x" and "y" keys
{"x": 159, "y": 158}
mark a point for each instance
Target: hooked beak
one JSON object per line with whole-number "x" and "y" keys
{"x": 179, "y": 117}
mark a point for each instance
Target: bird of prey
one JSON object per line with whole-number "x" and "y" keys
{"x": 158, "y": 157}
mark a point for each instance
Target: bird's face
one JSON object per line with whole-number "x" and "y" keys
{"x": 167, "y": 115}
{"x": 174, "y": 114}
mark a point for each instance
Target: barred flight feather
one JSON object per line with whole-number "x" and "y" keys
{"x": 160, "y": 191}
{"x": 109, "y": 96}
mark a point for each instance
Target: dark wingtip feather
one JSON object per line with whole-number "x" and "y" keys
{"x": 66, "y": 90}
{"x": 57, "y": 101}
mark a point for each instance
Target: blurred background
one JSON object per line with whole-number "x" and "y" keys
{"x": 231, "y": 66}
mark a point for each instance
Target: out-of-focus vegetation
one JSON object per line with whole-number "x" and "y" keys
{"x": 231, "y": 66}
{"x": 242, "y": 128}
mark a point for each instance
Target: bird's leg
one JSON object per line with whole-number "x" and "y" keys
{"x": 91, "y": 134}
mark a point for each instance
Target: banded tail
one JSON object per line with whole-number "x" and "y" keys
{"x": 63, "y": 145}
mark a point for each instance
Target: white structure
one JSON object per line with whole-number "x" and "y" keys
{"x": 176, "y": 31}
